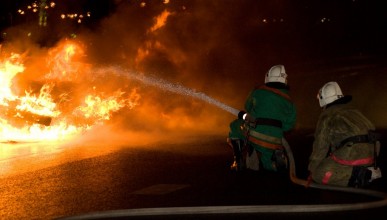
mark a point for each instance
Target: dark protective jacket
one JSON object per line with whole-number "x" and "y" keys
{"x": 329, "y": 163}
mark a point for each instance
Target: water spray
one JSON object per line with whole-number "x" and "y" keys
{"x": 168, "y": 86}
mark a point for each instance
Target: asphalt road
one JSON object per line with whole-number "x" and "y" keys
{"x": 170, "y": 181}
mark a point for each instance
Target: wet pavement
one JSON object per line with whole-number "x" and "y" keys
{"x": 174, "y": 181}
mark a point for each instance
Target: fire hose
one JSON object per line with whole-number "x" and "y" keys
{"x": 203, "y": 210}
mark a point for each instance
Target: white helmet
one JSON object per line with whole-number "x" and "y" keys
{"x": 329, "y": 93}
{"x": 276, "y": 74}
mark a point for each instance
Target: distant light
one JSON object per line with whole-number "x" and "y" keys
{"x": 143, "y": 4}
{"x": 323, "y": 20}
{"x": 272, "y": 20}
{"x": 52, "y": 4}
{"x": 166, "y": 1}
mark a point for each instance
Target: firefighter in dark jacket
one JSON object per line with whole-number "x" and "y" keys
{"x": 345, "y": 146}
{"x": 256, "y": 136}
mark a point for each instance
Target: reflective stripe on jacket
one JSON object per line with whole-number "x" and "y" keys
{"x": 362, "y": 161}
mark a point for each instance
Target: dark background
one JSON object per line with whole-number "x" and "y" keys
{"x": 347, "y": 26}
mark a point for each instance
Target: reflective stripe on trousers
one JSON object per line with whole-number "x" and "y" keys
{"x": 265, "y": 140}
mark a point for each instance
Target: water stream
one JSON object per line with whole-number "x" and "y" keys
{"x": 168, "y": 86}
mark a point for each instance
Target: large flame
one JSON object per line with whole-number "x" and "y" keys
{"x": 51, "y": 112}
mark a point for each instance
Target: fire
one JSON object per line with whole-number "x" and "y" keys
{"x": 57, "y": 110}
{"x": 8, "y": 70}
{"x": 160, "y": 20}
{"x": 39, "y": 105}
{"x": 101, "y": 109}
{"x": 62, "y": 61}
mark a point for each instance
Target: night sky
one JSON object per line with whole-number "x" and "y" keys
{"x": 318, "y": 27}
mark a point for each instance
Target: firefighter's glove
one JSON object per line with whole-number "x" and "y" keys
{"x": 242, "y": 115}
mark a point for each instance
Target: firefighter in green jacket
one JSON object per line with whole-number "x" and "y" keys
{"x": 345, "y": 146}
{"x": 256, "y": 136}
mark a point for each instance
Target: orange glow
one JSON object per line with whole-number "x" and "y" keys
{"x": 143, "y": 52}
{"x": 160, "y": 20}
{"x": 8, "y": 69}
{"x": 54, "y": 105}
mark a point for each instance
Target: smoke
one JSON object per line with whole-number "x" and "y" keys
{"x": 192, "y": 45}
{"x": 220, "y": 49}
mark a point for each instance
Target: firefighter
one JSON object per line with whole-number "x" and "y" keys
{"x": 256, "y": 136}
{"x": 345, "y": 146}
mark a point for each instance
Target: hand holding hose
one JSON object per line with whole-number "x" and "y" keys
{"x": 245, "y": 116}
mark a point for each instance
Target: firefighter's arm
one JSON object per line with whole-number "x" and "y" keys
{"x": 290, "y": 121}
{"x": 320, "y": 145}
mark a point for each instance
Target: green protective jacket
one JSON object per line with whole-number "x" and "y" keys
{"x": 269, "y": 103}
{"x": 335, "y": 124}
{"x": 264, "y": 102}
